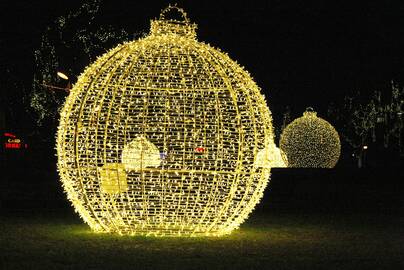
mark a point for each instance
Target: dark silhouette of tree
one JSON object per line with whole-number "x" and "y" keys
{"x": 376, "y": 119}
{"x": 68, "y": 45}
{"x": 286, "y": 118}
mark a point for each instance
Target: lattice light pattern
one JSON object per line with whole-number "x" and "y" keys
{"x": 160, "y": 136}
{"x": 310, "y": 142}
{"x": 271, "y": 157}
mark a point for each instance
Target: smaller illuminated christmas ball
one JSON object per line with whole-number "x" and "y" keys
{"x": 310, "y": 142}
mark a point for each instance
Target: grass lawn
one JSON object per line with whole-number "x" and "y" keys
{"x": 265, "y": 241}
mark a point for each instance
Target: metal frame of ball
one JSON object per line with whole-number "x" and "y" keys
{"x": 97, "y": 174}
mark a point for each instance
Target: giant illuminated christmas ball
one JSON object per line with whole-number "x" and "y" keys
{"x": 160, "y": 136}
{"x": 310, "y": 142}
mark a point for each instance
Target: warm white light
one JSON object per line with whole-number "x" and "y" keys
{"x": 139, "y": 154}
{"x": 310, "y": 141}
{"x": 365, "y": 147}
{"x": 271, "y": 157}
{"x": 62, "y": 75}
{"x": 161, "y": 136}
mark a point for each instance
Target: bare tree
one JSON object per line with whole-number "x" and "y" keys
{"x": 378, "y": 118}
{"x": 69, "y": 44}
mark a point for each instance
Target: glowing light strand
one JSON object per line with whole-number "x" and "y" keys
{"x": 310, "y": 141}
{"x": 159, "y": 136}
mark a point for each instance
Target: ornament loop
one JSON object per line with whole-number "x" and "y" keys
{"x": 165, "y": 25}
{"x": 310, "y": 109}
{"x": 164, "y": 13}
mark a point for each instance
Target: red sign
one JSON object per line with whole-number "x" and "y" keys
{"x": 13, "y": 142}
{"x": 200, "y": 149}
{"x": 11, "y": 135}
{"x": 12, "y": 145}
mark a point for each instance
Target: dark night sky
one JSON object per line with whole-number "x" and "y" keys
{"x": 302, "y": 53}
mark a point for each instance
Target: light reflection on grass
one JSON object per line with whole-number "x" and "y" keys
{"x": 271, "y": 241}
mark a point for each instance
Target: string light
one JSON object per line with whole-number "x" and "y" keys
{"x": 160, "y": 136}
{"x": 65, "y": 37}
{"x": 310, "y": 141}
{"x": 272, "y": 157}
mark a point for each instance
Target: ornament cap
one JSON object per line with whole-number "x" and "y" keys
{"x": 178, "y": 26}
{"x": 310, "y": 112}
